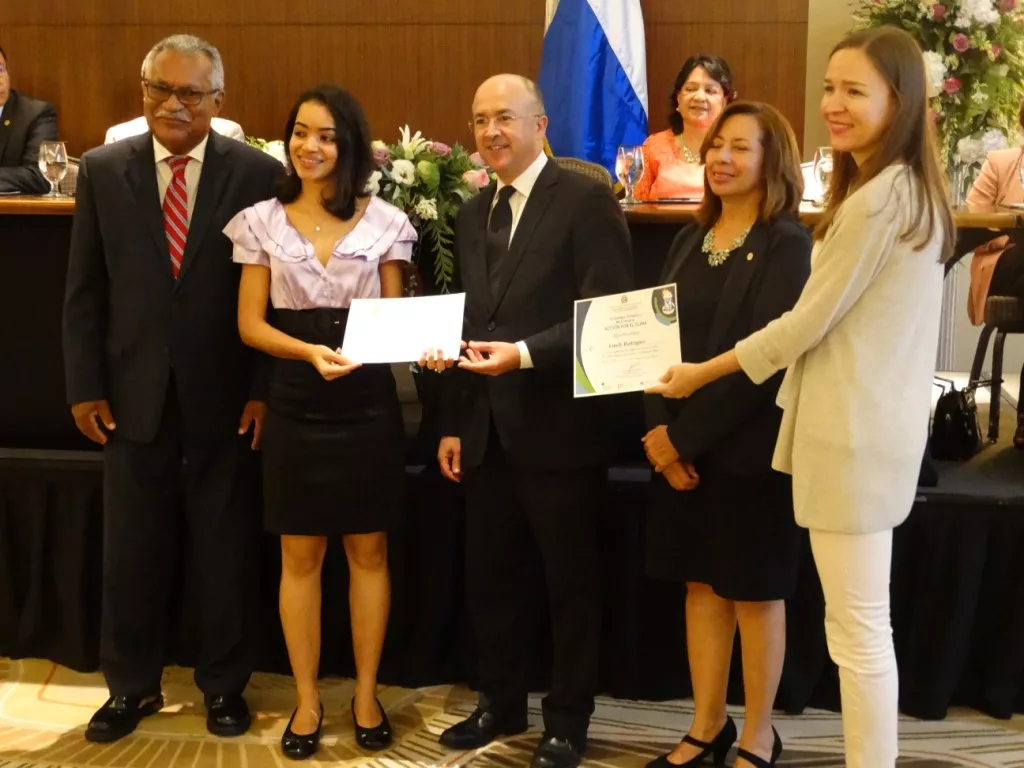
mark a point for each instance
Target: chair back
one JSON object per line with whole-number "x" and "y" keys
{"x": 586, "y": 168}
{"x": 69, "y": 183}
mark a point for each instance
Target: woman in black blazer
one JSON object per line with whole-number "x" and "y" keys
{"x": 721, "y": 520}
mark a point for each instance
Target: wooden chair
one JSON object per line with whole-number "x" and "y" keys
{"x": 585, "y": 167}
{"x": 1003, "y": 315}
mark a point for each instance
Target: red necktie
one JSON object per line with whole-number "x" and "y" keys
{"x": 176, "y": 212}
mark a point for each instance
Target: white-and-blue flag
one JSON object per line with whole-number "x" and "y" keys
{"x": 594, "y": 77}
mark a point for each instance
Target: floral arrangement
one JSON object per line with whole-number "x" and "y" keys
{"x": 273, "y": 148}
{"x": 974, "y": 59}
{"x": 429, "y": 181}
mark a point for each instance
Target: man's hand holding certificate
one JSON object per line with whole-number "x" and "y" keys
{"x": 400, "y": 330}
{"x": 625, "y": 342}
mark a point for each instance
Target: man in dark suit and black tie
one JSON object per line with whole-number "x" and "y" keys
{"x": 157, "y": 374}
{"x": 531, "y": 460}
{"x": 24, "y": 124}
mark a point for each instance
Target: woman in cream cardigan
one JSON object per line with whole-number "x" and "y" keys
{"x": 859, "y": 347}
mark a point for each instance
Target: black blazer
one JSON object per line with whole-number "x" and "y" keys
{"x": 24, "y": 125}
{"x": 571, "y": 242}
{"x": 128, "y": 322}
{"x": 734, "y": 423}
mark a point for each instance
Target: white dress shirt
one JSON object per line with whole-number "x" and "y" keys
{"x": 192, "y": 171}
{"x": 523, "y": 184}
{"x": 138, "y": 126}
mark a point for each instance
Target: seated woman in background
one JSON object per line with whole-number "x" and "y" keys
{"x": 997, "y": 268}
{"x": 731, "y": 537}
{"x": 672, "y": 164}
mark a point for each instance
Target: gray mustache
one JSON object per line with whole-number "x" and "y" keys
{"x": 172, "y": 115}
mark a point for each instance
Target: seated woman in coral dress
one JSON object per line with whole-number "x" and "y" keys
{"x": 672, "y": 161}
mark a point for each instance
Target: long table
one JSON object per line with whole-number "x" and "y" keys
{"x": 958, "y": 599}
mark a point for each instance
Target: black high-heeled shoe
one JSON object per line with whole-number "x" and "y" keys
{"x": 300, "y": 746}
{"x": 717, "y": 748}
{"x": 760, "y": 762}
{"x": 376, "y": 738}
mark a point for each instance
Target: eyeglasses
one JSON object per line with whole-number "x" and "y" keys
{"x": 187, "y": 96}
{"x": 481, "y": 124}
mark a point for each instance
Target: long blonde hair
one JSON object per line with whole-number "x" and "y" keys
{"x": 909, "y": 139}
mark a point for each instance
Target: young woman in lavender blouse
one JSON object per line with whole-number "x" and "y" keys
{"x": 859, "y": 347}
{"x": 333, "y": 435}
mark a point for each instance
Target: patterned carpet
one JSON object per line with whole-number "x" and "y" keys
{"x": 44, "y": 708}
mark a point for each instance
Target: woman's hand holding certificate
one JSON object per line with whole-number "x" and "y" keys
{"x": 625, "y": 342}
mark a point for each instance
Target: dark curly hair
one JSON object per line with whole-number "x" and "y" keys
{"x": 716, "y": 67}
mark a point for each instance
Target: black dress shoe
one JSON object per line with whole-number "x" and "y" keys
{"x": 480, "y": 729}
{"x": 376, "y": 738}
{"x": 299, "y": 746}
{"x": 555, "y": 752}
{"x": 717, "y": 748}
{"x": 227, "y": 715}
{"x": 120, "y": 716}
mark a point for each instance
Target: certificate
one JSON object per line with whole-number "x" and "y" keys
{"x": 401, "y": 330}
{"x": 625, "y": 342}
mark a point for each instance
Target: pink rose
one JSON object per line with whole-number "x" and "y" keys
{"x": 961, "y": 43}
{"x": 477, "y": 159}
{"x": 1007, "y": 5}
{"x": 381, "y": 156}
{"x": 938, "y": 12}
{"x": 996, "y": 50}
{"x": 476, "y": 179}
{"x": 442, "y": 150}
{"x": 951, "y": 86}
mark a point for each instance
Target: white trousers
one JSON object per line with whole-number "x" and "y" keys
{"x": 854, "y": 571}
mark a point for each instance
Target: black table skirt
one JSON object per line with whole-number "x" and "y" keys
{"x": 958, "y": 598}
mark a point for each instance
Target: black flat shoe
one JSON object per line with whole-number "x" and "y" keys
{"x": 760, "y": 762}
{"x": 227, "y": 715}
{"x": 376, "y": 738}
{"x": 120, "y": 716}
{"x": 717, "y": 748}
{"x": 299, "y": 746}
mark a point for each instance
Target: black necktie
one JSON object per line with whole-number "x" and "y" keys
{"x": 499, "y": 232}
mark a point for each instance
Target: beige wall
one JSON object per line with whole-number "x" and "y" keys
{"x": 827, "y": 22}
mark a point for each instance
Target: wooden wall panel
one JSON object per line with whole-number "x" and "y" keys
{"x": 415, "y": 61}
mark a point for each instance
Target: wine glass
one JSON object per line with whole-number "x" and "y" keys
{"x": 629, "y": 167}
{"x": 53, "y": 164}
{"x": 823, "y": 170}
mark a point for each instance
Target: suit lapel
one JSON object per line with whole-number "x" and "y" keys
{"x": 213, "y": 178}
{"x": 537, "y": 205}
{"x": 141, "y": 175}
{"x": 748, "y": 259}
{"x": 7, "y": 120}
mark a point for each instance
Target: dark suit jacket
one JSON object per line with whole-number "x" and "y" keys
{"x": 571, "y": 242}
{"x": 734, "y": 423}
{"x": 24, "y": 125}
{"x": 128, "y": 322}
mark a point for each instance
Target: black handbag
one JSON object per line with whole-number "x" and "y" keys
{"x": 955, "y": 432}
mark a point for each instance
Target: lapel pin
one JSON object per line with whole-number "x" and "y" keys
{"x": 750, "y": 257}
{"x": 6, "y": 123}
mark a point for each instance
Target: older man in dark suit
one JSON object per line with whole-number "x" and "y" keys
{"x": 24, "y": 124}
{"x": 157, "y": 374}
{"x": 532, "y": 460}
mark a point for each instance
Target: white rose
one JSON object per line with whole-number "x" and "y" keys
{"x": 936, "y": 70}
{"x": 403, "y": 171}
{"x": 277, "y": 151}
{"x": 426, "y": 209}
{"x": 373, "y": 183}
{"x": 993, "y": 140}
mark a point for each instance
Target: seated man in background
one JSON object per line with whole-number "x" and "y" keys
{"x": 24, "y": 124}
{"x": 139, "y": 126}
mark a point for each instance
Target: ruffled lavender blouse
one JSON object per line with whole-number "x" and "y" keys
{"x": 262, "y": 234}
